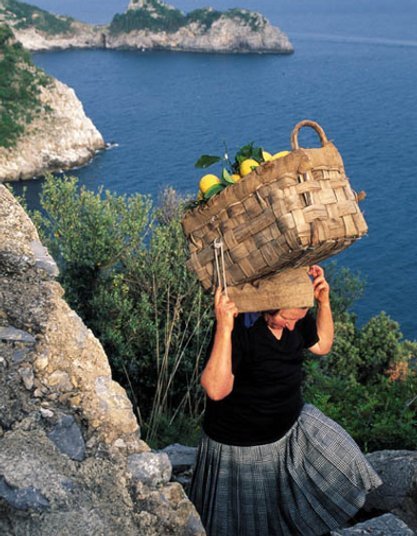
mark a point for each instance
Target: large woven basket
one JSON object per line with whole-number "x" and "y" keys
{"x": 294, "y": 211}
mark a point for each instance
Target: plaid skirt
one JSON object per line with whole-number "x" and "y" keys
{"x": 308, "y": 482}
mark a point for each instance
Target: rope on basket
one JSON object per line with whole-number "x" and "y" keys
{"x": 219, "y": 256}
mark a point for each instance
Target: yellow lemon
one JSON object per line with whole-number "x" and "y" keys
{"x": 235, "y": 177}
{"x": 280, "y": 155}
{"x": 247, "y": 166}
{"x": 208, "y": 181}
{"x": 266, "y": 156}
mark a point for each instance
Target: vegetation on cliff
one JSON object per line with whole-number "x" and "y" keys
{"x": 122, "y": 264}
{"x": 21, "y": 16}
{"x": 20, "y": 83}
{"x": 157, "y": 16}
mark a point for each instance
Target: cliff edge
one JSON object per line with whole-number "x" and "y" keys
{"x": 71, "y": 458}
{"x": 43, "y": 126}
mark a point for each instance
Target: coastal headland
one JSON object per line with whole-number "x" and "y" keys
{"x": 148, "y": 25}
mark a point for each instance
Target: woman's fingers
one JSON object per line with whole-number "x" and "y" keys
{"x": 217, "y": 296}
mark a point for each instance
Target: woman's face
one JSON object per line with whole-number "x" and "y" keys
{"x": 284, "y": 318}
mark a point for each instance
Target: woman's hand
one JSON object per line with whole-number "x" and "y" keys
{"x": 324, "y": 320}
{"x": 225, "y": 311}
{"x": 320, "y": 285}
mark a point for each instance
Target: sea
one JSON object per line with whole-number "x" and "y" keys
{"x": 354, "y": 71}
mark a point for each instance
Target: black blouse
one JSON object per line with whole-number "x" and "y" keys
{"x": 266, "y": 397}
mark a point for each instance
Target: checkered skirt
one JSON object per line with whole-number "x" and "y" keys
{"x": 308, "y": 482}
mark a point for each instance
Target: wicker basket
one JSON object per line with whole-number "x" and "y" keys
{"x": 294, "y": 211}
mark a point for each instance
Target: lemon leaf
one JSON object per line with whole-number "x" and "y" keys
{"x": 207, "y": 160}
{"x": 213, "y": 190}
{"x": 226, "y": 178}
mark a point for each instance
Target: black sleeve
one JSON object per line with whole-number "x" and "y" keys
{"x": 239, "y": 336}
{"x": 308, "y": 327}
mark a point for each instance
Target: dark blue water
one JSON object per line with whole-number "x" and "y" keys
{"x": 354, "y": 71}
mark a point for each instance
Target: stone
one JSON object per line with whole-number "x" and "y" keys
{"x": 182, "y": 457}
{"x": 385, "y": 525}
{"x": 12, "y": 334}
{"x": 22, "y": 498}
{"x": 26, "y": 373}
{"x": 151, "y": 468}
{"x": 42, "y": 258}
{"x": 398, "y": 493}
{"x": 67, "y": 437}
{"x": 20, "y": 355}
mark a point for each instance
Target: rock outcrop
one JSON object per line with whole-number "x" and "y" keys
{"x": 155, "y": 25}
{"x": 60, "y": 137}
{"x": 398, "y": 493}
{"x": 43, "y": 126}
{"x": 71, "y": 458}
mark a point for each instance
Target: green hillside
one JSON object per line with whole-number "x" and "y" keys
{"x": 20, "y": 81}
{"x": 21, "y": 15}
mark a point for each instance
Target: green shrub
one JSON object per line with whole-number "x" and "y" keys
{"x": 20, "y": 83}
{"x": 27, "y": 16}
{"x": 123, "y": 268}
{"x": 378, "y": 416}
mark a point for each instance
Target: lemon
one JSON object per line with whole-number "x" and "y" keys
{"x": 208, "y": 181}
{"x": 247, "y": 166}
{"x": 235, "y": 177}
{"x": 266, "y": 156}
{"x": 280, "y": 155}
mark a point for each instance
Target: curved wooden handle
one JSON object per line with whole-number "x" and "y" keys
{"x": 311, "y": 124}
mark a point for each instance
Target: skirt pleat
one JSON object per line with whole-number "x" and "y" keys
{"x": 307, "y": 483}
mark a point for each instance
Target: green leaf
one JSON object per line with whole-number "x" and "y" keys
{"x": 207, "y": 160}
{"x": 226, "y": 178}
{"x": 213, "y": 190}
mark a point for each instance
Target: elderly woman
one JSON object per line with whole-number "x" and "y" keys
{"x": 269, "y": 464}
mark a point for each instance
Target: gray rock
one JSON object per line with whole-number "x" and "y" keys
{"x": 20, "y": 355}
{"x": 385, "y": 525}
{"x": 151, "y": 468}
{"x": 181, "y": 457}
{"x": 67, "y": 437}
{"x": 26, "y": 373}
{"x": 398, "y": 471}
{"x": 12, "y": 334}
{"x": 22, "y": 498}
{"x": 42, "y": 259}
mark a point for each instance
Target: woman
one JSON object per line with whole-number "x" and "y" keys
{"x": 268, "y": 464}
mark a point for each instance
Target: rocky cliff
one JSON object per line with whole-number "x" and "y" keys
{"x": 149, "y": 25}
{"x": 71, "y": 458}
{"x": 44, "y": 127}
{"x": 61, "y": 137}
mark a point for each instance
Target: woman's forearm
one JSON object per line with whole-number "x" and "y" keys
{"x": 217, "y": 377}
{"x": 325, "y": 327}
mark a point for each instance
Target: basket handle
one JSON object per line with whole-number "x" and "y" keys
{"x": 307, "y": 123}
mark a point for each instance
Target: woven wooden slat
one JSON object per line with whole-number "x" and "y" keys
{"x": 291, "y": 212}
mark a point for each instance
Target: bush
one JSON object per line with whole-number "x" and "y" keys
{"x": 27, "y": 16}
{"x": 20, "y": 83}
{"x": 367, "y": 382}
{"x": 122, "y": 265}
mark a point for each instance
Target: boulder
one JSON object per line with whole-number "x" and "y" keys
{"x": 398, "y": 493}
{"x": 385, "y": 525}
